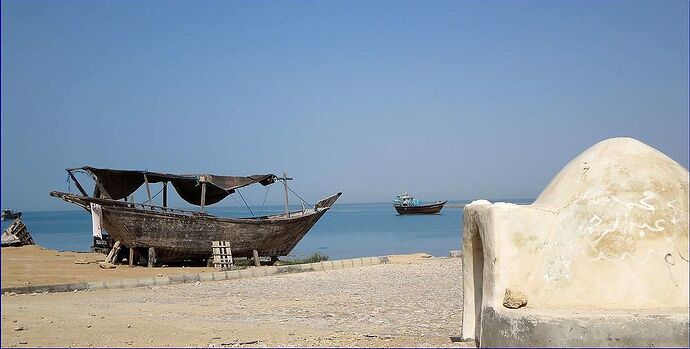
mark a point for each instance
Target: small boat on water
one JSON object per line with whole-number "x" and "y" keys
{"x": 406, "y": 204}
{"x": 177, "y": 234}
{"x": 8, "y": 214}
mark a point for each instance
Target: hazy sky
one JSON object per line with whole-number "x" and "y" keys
{"x": 444, "y": 99}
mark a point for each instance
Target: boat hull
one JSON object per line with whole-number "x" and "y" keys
{"x": 423, "y": 209}
{"x": 184, "y": 236}
{"x": 11, "y": 215}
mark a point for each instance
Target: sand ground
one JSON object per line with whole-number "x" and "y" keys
{"x": 416, "y": 303}
{"x": 34, "y": 266}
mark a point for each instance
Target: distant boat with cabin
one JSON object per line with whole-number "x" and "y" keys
{"x": 407, "y": 204}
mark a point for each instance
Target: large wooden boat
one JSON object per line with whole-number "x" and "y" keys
{"x": 406, "y": 204}
{"x": 182, "y": 234}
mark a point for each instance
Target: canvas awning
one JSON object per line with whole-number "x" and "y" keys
{"x": 121, "y": 183}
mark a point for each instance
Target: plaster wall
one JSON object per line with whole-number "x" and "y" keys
{"x": 609, "y": 232}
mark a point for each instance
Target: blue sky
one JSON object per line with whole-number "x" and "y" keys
{"x": 444, "y": 99}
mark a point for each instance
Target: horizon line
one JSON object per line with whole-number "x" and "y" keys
{"x": 493, "y": 200}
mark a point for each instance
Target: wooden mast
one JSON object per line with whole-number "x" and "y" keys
{"x": 81, "y": 189}
{"x": 202, "y": 179}
{"x": 287, "y": 210}
{"x": 165, "y": 194}
{"x": 285, "y": 178}
{"x": 148, "y": 189}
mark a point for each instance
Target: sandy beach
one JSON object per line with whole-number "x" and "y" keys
{"x": 409, "y": 303}
{"x": 34, "y": 265}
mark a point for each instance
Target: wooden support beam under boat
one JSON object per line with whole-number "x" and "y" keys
{"x": 152, "y": 257}
{"x": 114, "y": 252}
{"x": 131, "y": 257}
{"x": 255, "y": 254}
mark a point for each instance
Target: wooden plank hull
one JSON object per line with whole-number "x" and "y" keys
{"x": 424, "y": 209}
{"x": 180, "y": 236}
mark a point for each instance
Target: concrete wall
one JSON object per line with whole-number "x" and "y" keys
{"x": 610, "y": 232}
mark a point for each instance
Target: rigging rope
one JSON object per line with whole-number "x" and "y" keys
{"x": 69, "y": 186}
{"x": 304, "y": 201}
{"x": 153, "y": 197}
{"x": 245, "y": 202}
{"x": 264, "y": 203}
{"x": 234, "y": 198}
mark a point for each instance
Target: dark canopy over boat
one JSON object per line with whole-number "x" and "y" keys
{"x": 182, "y": 234}
{"x": 119, "y": 184}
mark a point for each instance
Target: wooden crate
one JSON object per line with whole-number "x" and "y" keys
{"x": 222, "y": 254}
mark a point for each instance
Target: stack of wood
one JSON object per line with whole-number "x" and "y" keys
{"x": 17, "y": 235}
{"x": 222, "y": 255}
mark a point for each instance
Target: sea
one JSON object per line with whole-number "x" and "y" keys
{"x": 345, "y": 231}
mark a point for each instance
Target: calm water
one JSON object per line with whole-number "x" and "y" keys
{"x": 347, "y": 230}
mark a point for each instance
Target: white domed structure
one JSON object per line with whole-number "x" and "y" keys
{"x": 608, "y": 235}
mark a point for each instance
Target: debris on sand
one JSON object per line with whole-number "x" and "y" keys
{"x": 17, "y": 235}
